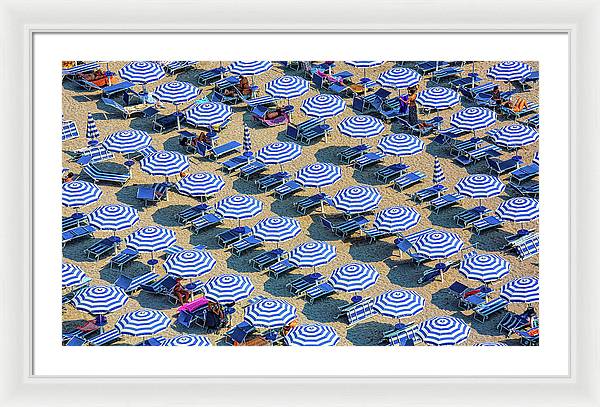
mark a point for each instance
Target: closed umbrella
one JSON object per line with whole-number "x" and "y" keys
{"x": 92, "y": 133}
{"x": 438, "y": 172}
{"x": 247, "y": 142}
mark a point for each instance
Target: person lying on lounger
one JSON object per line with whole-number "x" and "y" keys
{"x": 274, "y": 114}
{"x": 68, "y": 178}
{"x": 182, "y": 294}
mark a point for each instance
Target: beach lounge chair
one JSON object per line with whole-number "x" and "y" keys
{"x": 351, "y": 153}
{"x": 100, "y": 248}
{"x": 251, "y": 169}
{"x": 366, "y": 104}
{"x": 468, "y": 216}
{"x": 235, "y": 163}
{"x": 499, "y": 167}
{"x": 471, "y": 92}
{"x": 424, "y": 127}
{"x": 429, "y": 193}
{"x": 267, "y": 259}
{"x": 531, "y": 189}
{"x": 449, "y": 136}
{"x": 83, "y": 331}
{"x": 98, "y": 175}
{"x": 111, "y": 90}
{"x": 225, "y": 149}
{"x": 444, "y": 201}
{"x": 126, "y": 256}
{"x": 311, "y": 135}
{"x": 374, "y": 234}
{"x": 85, "y": 67}
{"x": 229, "y": 237}
{"x": 530, "y": 108}
{"x": 528, "y": 248}
{"x": 533, "y": 121}
{"x": 131, "y": 285}
{"x": 427, "y": 67}
{"x": 391, "y": 172}
{"x": 483, "y": 152}
{"x": 367, "y": 160}
{"x": 402, "y": 335}
{"x": 239, "y": 333}
{"x": 69, "y": 130}
{"x": 524, "y": 173}
{"x": 530, "y": 337}
{"x": 72, "y": 221}
{"x": 163, "y": 286}
{"x": 208, "y": 76}
{"x": 75, "y": 341}
{"x": 319, "y": 291}
{"x": 248, "y": 243}
{"x": 487, "y": 223}
{"x": 446, "y": 74}
{"x": 141, "y": 153}
{"x": 205, "y": 221}
{"x": 173, "y": 67}
{"x": 299, "y": 286}
{"x": 126, "y": 111}
{"x": 346, "y": 228}
{"x": 356, "y": 312}
{"x": 259, "y": 114}
{"x": 264, "y": 101}
{"x": 287, "y": 189}
{"x": 167, "y": 123}
{"x": 474, "y": 297}
{"x": 470, "y": 80}
{"x": 511, "y": 322}
{"x": 187, "y": 215}
{"x": 280, "y": 268}
{"x": 106, "y": 338}
{"x": 405, "y": 247}
{"x": 408, "y": 180}
{"x": 271, "y": 181}
{"x": 77, "y": 233}
{"x": 484, "y": 311}
{"x": 527, "y": 82}
{"x": 153, "y": 194}
{"x": 306, "y": 204}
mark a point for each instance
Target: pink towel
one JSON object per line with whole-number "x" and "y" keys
{"x": 193, "y": 305}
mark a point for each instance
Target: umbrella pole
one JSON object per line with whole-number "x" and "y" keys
{"x": 177, "y": 114}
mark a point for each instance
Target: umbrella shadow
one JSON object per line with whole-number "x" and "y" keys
{"x": 277, "y": 286}
{"x": 329, "y": 154}
{"x": 189, "y": 75}
{"x": 323, "y": 310}
{"x": 444, "y": 300}
{"x": 207, "y": 238}
{"x": 75, "y": 250}
{"x": 445, "y": 218}
{"x": 490, "y": 240}
{"x": 403, "y": 273}
{"x": 318, "y": 232}
{"x": 240, "y": 264}
{"x": 366, "y": 177}
{"x": 153, "y": 301}
{"x": 242, "y": 186}
{"x": 172, "y": 144}
{"x": 128, "y": 196}
{"x": 371, "y": 252}
{"x": 166, "y": 216}
{"x": 284, "y": 208}
{"x": 367, "y": 334}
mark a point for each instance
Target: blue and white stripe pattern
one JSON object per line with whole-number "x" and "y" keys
{"x": 520, "y": 209}
{"x": 100, "y": 299}
{"x": 278, "y": 153}
{"x": 142, "y": 72}
{"x": 143, "y": 322}
{"x": 399, "y": 303}
{"x": 526, "y": 289}
{"x": 71, "y": 275}
{"x": 438, "y": 172}
{"x": 484, "y": 267}
{"x": 270, "y": 313}
{"x": 113, "y": 217}
{"x": 238, "y": 207}
{"x": 277, "y": 229}
{"x": 444, "y": 330}
{"x": 515, "y": 135}
{"x": 364, "y": 64}
{"x": 323, "y": 106}
{"x": 249, "y": 68}
{"x": 127, "y": 141}
{"x": 398, "y": 78}
{"x": 361, "y": 126}
{"x": 509, "y": 71}
{"x": 354, "y": 277}
{"x": 357, "y": 199}
{"x": 176, "y": 92}
{"x": 479, "y": 186}
{"x": 81, "y": 68}
{"x": 473, "y": 118}
{"x": 187, "y": 340}
{"x": 79, "y": 193}
{"x": 400, "y": 145}
{"x": 189, "y": 263}
{"x": 490, "y": 344}
{"x": 312, "y": 335}
{"x": 438, "y": 244}
{"x": 396, "y": 219}
{"x": 200, "y": 184}
{"x": 438, "y": 98}
{"x": 319, "y": 175}
{"x": 228, "y": 288}
{"x": 151, "y": 239}
{"x": 165, "y": 163}
{"x": 536, "y": 158}
{"x": 312, "y": 254}
{"x": 247, "y": 142}
{"x": 287, "y": 87}
{"x": 91, "y": 132}
{"x": 208, "y": 114}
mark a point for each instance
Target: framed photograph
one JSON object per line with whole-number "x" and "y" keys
{"x": 349, "y": 206}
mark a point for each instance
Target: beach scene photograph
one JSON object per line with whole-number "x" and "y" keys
{"x": 300, "y": 203}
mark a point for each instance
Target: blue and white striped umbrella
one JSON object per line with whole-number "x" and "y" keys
{"x": 361, "y": 126}
{"x": 312, "y": 254}
{"x": 176, "y": 92}
{"x": 151, "y": 239}
{"x": 479, "y": 186}
{"x": 278, "y": 153}
{"x": 247, "y": 142}
{"x": 208, "y": 114}
{"x": 438, "y": 244}
{"x": 400, "y": 145}
{"x": 490, "y": 344}
{"x": 187, "y": 340}
{"x": 200, "y": 184}
{"x": 142, "y": 72}
{"x": 277, "y": 229}
{"x": 238, "y": 207}
{"x": 396, "y": 219}
{"x": 357, "y": 199}
{"x": 364, "y": 64}
{"x": 100, "y": 299}
{"x": 287, "y": 87}
{"x": 354, "y": 277}
{"x": 438, "y": 172}
{"x": 323, "y": 106}
{"x": 72, "y": 275}
{"x": 270, "y": 313}
{"x": 399, "y": 78}
{"x": 189, "y": 263}
{"x": 228, "y": 288}
{"x": 536, "y": 158}
{"x": 473, "y": 118}
{"x": 438, "y": 98}
{"x": 444, "y": 331}
{"x": 399, "y": 303}
{"x": 312, "y": 335}
{"x": 127, "y": 141}
{"x": 318, "y": 175}
{"x": 79, "y": 193}
{"x": 249, "y": 68}
{"x": 520, "y": 209}
{"x": 91, "y": 132}
{"x": 509, "y": 71}
{"x": 143, "y": 322}
{"x": 484, "y": 267}
{"x": 525, "y": 289}
{"x": 515, "y": 136}
{"x": 113, "y": 217}
{"x": 164, "y": 163}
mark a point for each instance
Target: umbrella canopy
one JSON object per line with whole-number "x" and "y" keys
{"x": 200, "y": 184}
{"x": 399, "y": 78}
{"x": 438, "y": 98}
{"x": 71, "y": 275}
{"x": 247, "y": 142}
{"x": 249, "y": 68}
{"x": 490, "y": 344}
{"x": 312, "y": 335}
{"x": 400, "y": 145}
{"x": 228, "y": 288}
{"x": 277, "y": 229}
{"x": 361, "y": 126}
{"x": 509, "y": 71}
{"x": 396, "y": 219}
{"x": 399, "y": 303}
{"x": 536, "y": 158}
{"x": 100, "y": 299}
{"x": 142, "y": 72}
{"x": 484, "y": 267}
{"x": 515, "y": 136}
{"x": 318, "y": 175}
{"x": 444, "y": 331}
{"x": 79, "y": 193}
{"x": 323, "y": 106}
{"x": 187, "y": 340}
{"x": 278, "y": 153}
{"x": 238, "y": 207}
{"x": 176, "y": 92}
{"x": 473, "y": 118}
{"x": 270, "y": 313}
{"x": 520, "y": 209}
{"x": 364, "y": 64}
{"x": 113, "y": 217}
{"x": 143, "y": 322}
{"x": 208, "y": 114}
{"x": 438, "y": 244}
{"x": 164, "y": 163}
{"x": 287, "y": 87}
{"x": 91, "y": 132}
{"x": 357, "y": 199}
{"x": 189, "y": 263}
{"x": 127, "y": 141}
{"x": 438, "y": 172}
{"x": 151, "y": 239}
{"x": 526, "y": 289}
{"x": 312, "y": 254}
{"x": 479, "y": 186}
{"x": 353, "y": 277}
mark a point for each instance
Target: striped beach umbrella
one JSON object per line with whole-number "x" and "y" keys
{"x": 176, "y": 92}
{"x": 400, "y": 145}
{"x": 323, "y": 106}
{"x": 113, "y": 217}
{"x": 396, "y": 219}
{"x": 520, "y": 209}
{"x": 399, "y": 78}
{"x": 142, "y": 72}
{"x": 536, "y": 158}
{"x": 276, "y": 229}
{"x": 312, "y": 254}
{"x": 127, "y": 141}
{"x": 444, "y": 330}
{"x": 249, "y": 68}
{"x": 473, "y": 118}
{"x": 72, "y": 275}
{"x": 238, "y": 207}
{"x": 438, "y": 98}
{"x": 151, "y": 239}
{"x": 353, "y": 277}
{"x": 189, "y": 263}
{"x": 91, "y": 132}
{"x": 208, "y": 114}
{"x": 287, "y": 87}
{"x": 438, "y": 172}
{"x": 357, "y": 199}
{"x": 143, "y": 322}
{"x": 247, "y": 142}
{"x": 165, "y": 163}
{"x": 187, "y": 340}
{"x": 312, "y": 335}
{"x": 79, "y": 193}
{"x": 228, "y": 288}
{"x": 525, "y": 289}
{"x": 270, "y": 313}
{"x": 484, "y": 267}
{"x": 278, "y": 153}
{"x": 361, "y": 126}
{"x": 438, "y": 244}
{"x": 490, "y": 344}
{"x": 515, "y": 136}
{"x": 399, "y": 303}
{"x": 200, "y": 184}
{"x": 479, "y": 186}
{"x": 318, "y": 175}
{"x": 364, "y": 65}
{"x": 100, "y": 299}
{"x": 509, "y": 71}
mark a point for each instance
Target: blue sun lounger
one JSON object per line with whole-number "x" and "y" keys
{"x": 446, "y": 74}
{"x": 444, "y": 201}
{"x": 405, "y": 246}
{"x": 468, "y": 216}
{"x": 402, "y": 335}
{"x": 299, "y": 286}
{"x": 429, "y": 193}
{"x": 246, "y": 244}
{"x": 224, "y": 149}
{"x": 131, "y": 285}
{"x": 484, "y": 311}
{"x": 524, "y": 173}
{"x": 511, "y": 322}
{"x": 280, "y": 268}
{"x": 172, "y": 67}
{"x": 72, "y": 221}
{"x": 408, "y": 180}
{"x": 351, "y": 153}
{"x": 374, "y": 234}
{"x": 106, "y": 338}
{"x": 367, "y": 160}
{"x": 531, "y": 189}
{"x": 487, "y": 223}
{"x": 97, "y": 175}
{"x": 356, "y": 312}
{"x": 77, "y": 233}
{"x": 528, "y": 248}
{"x": 312, "y": 202}
{"x": 187, "y": 215}
{"x": 391, "y": 172}
{"x": 229, "y": 237}
{"x": 499, "y": 167}
{"x": 205, "y": 221}
{"x": 126, "y": 111}
{"x": 272, "y": 180}
{"x": 211, "y": 75}
{"x": 319, "y": 291}
{"x": 100, "y": 248}
{"x": 529, "y": 109}
{"x": 427, "y": 67}
{"x": 469, "y": 80}
{"x": 235, "y": 163}
{"x": 533, "y": 121}
{"x": 69, "y": 130}
{"x": 265, "y": 101}
{"x": 287, "y": 189}
{"x": 251, "y": 169}
{"x": 126, "y": 256}
{"x": 267, "y": 259}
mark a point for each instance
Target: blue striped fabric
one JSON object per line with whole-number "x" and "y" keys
{"x": 228, "y": 288}
{"x": 520, "y": 209}
{"x": 526, "y": 289}
{"x": 113, "y": 217}
{"x": 200, "y": 184}
{"x": 279, "y": 152}
{"x": 100, "y": 299}
{"x": 473, "y": 118}
{"x": 277, "y": 229}
{"x": 249, "y": 68}
{"x": 79, "y": 193}
{"x": 536, "y": 158}
{"x": 323, "y": 106}
{"x": 438, "y": 98}
{"x": 312, "y": 254}
{"x": 69, "y": 130}
{"x": 515, "y": 135}
{"x": 247, "y": 142}
{"x": 509, "y": 71}
{"x": 357, "y": 199}
{"x": 312, "y": 335}
{"x": 238, "y": 207}
{"x": 189, "y": 263}
{"x": 151, "y": 239}
{"x": 208, "y": 114}
{"x": 287, "y": 87}
{"x": 364, "y": 64}
{"x": 187, "y": 340}
{"x": 438, "y": 244}
{"x": 400, "y": 145}
{"x": 361, "y": 126}
{"x": 479, "y": 186}
{"x": 127, "y": 141}
{"x": 399, "y": 303}
{"x": 318, "y": 175}
{"x": 71, "y": 275}
{"x": 490, "y": 344}
{"x": 81, "y": 68}
{"x": 143, "y": 322}
{"x": 444, "y": 331}
{"x": 91, "y": 132}
{"x": 142, "y": 72}
{"x": 165, "y": 163}
{"x": 352, "y": 277}
{"x": 396, "y": 219}
{"x": 484, "y": 267}
{"x": 438, "y": 172}
{"x": 270, "y": 313}
{"x": 176, "y": 92}
{"x": 398, "y": 78}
